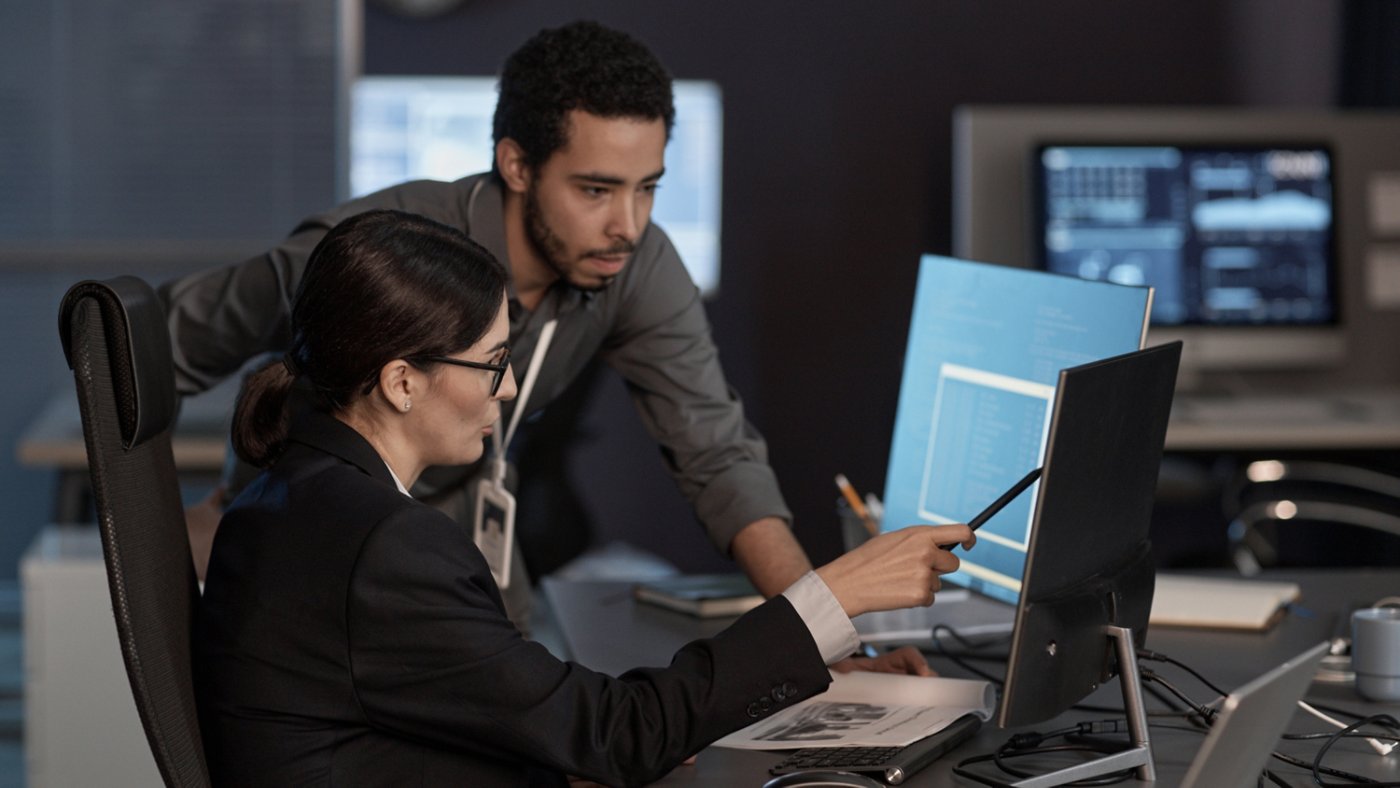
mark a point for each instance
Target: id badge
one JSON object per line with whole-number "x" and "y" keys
{"x": 493, "y": 528}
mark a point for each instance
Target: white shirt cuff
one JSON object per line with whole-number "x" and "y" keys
{"x": 834, "y": 633}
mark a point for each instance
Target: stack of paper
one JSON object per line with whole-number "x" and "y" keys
{"x": 869, "y": 710}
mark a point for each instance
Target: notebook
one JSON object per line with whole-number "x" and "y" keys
{"x": 1219, "y": 603}
{"x": 1250, "y": 723}
{"x": 704, "y": 596}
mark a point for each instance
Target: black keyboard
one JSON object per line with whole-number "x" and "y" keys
{"x": 891, "y": 764}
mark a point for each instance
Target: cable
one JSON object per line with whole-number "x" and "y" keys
{"x": 1384, "y": 720}
{"x": 1311, "y": 736}
{"x": 958, "y": 659}
{"x": 1030, "y": 743}
{"x": 1156, "y": 656}
{"x": 964, "y": 640}
{"x": 999, "y": 756}
{"x": 1299, "y": 762}
{"x": 1380, "y": 747}
{"x": 1206, "y": 713}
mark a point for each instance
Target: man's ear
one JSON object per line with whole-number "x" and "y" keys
{"x": 511, "y": 164}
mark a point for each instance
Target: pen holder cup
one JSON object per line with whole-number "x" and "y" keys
{"x": 853, "y": 530}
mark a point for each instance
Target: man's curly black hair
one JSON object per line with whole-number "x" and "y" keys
{"x": 581, "y": 65}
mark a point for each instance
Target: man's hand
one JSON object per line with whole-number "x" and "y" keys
{"x": 202, "y": 520}
{"x": 906, "y": 659}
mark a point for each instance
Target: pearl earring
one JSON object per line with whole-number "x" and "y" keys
{"x": 406, "y": 405}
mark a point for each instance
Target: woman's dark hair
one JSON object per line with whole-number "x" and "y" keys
{"x": 380, "y": 285}
{"x": 582, "y": 65}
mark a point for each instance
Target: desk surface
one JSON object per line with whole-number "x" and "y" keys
{"x": 1353, "y": 419}
{"x": 605, "y": 630}
{"x": 55, "y": 438}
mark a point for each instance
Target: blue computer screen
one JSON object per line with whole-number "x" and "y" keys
{"x": 1227, "y": 234}
{"x": 986, "y": 346}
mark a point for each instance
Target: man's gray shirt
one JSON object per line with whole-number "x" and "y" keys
{"x": 649, "y": 325}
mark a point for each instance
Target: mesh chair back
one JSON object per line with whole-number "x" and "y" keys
{"x": 115, "y": 338}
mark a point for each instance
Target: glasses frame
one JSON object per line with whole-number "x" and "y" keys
{"x": 499, "y": 367}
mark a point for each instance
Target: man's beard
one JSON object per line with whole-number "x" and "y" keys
{"x": 550, "y": 247}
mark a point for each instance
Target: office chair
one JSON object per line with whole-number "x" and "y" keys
{"x": 116, "y": 343}
{"x": 1355, "y": 514}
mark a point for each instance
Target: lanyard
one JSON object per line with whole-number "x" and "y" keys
{"x": 501, "y": 443}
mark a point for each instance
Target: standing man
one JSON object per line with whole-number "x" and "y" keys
{"x": 581, "y": 127}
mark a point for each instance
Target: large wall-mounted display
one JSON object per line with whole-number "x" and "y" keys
{"x": 405, "y": 128}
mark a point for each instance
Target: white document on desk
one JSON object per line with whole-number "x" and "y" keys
{"x": 869, "y": 710}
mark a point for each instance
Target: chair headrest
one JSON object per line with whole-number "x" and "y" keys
{"x": 138, "y": 344}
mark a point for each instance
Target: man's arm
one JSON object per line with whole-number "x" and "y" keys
{"x": 659, "y": 340}
{"x": 769, "y": 554}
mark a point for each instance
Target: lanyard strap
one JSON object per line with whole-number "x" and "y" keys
{"x": 501, "y": 443}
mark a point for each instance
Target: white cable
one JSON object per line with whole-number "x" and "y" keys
{"x": 1383, "y": 748}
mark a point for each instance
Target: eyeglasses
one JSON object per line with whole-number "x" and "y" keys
{"x": 499, "y": 366}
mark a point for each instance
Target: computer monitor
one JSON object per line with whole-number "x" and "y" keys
{"x": 1238, "y": 240}
{"x": 986, "y": 347}
{"x": 1087, "y": 586}
{"x": 405, "y": 128}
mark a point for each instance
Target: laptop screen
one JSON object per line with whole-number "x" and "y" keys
{"x": 1248, "y": 728}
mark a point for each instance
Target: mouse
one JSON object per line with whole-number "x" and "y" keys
{"x": 823, "y": 777}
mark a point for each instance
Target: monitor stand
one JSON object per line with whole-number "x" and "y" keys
{"x": 1138, "y": 755}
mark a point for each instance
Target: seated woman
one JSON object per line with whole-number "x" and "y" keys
{"x": 350, "y": 635}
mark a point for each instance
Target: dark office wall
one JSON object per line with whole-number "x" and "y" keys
{"x": 837, "y": 176}
{"x": 150, "y": 137}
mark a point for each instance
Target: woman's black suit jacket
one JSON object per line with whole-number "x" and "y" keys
{"x": 349, "y": 635}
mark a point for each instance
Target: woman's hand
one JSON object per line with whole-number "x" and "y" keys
{"x": 905, "y": 660}
{"x": 896, "y": 569}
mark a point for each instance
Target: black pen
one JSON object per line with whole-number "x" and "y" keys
{"x": 1006, "y": 497}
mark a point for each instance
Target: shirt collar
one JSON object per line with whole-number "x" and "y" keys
{"x": 397, "y": 483}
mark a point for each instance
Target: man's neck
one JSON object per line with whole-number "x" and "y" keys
{"x": 530, "y": 273}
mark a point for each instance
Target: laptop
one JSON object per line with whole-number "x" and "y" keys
{"x": 1250, "y": 723}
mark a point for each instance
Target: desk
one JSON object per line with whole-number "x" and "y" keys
{"x": 1364, "y": 418}
{"x": 605, "y": 630}
{"x": 55, "y": 440}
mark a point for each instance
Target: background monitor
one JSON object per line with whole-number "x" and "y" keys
{"x": 994, "y": 153}
{"x": 1234, "y": 237}
{"x": 405, "y": 128}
